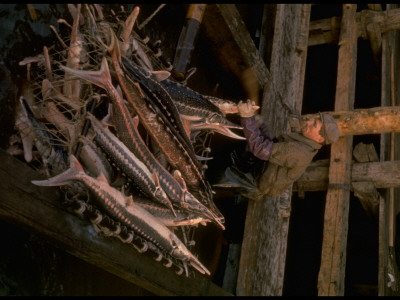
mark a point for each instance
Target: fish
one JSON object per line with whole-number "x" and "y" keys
{"x": 124, "y": 209}
{"x": 129, "y": 163}
{"x": 199, "y": 110}
{"x": 176, "y": 147}
{"x": 94, "y": 160}
{"x": 129, "y": 135}
{"x": 33, "y": 132}
{"x": 77, "y": 53}
{"x": 182, "y": 218}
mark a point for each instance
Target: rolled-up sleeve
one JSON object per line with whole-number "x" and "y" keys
{"x": 260, "y": 142}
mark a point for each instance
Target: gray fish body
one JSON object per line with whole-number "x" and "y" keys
{"x": 94, "y": 160}
{"x": 194, "y": 106}
{"x": 178, "y": 154}
{"x": 129, "y": 135}
{"x": 198, "y": 109}
{"x": 159, "y": 97}
{"x": 182, "y": 218}
{"x": 132, "y": 166}
{"x": 123, "y": 209}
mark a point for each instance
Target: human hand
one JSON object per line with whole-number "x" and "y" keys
{"x": 247, "y": 109}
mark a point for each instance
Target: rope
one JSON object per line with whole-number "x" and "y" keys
{"x": 150, "y": 17}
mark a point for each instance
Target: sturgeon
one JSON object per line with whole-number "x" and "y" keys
{"x": 174, "y": 145}
{"x": 124, "y": 209}
{"x": 199, "y": 110}
{"x": 33, "y": 132}
{"x": 174, "y": 186}
{"x": 129, "y": 163}
{"x": 182, "y": 218}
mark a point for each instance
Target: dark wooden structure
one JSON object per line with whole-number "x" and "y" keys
{"x": 273, "y": 74}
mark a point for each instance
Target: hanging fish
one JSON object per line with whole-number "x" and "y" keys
{"x": 123, "y": 208}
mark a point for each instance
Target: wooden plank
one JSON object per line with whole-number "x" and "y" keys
{"x": 382, "y": 119}
{"x": 267, "y": 32}
{"x": 263, "y": 254}
{"x": 333, "y": 258}
{"x": 389, "y": 150}
{"x": 365, "y": 153}
{"x": 383, "y": 175}
{"x": 235, "y": 49}
{"x": 366, "y": 191}
{"x": 388, "y": 43}
{"x": 39, "y": 210}
{"x": 369, "y": 197}
{"x": 325, "y": 31}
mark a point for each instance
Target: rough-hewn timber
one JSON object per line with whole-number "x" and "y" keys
{"x": 333, "y": 257}
{"x": 382, "y": 175}
{"x": 389, "y": 207}
{"x": 263, "y": 254}
{"x": 39, "y": 210}
{"x": 235, "y": 49}
{"x": 326, "y": 31}
{"x": 382, "y": 119}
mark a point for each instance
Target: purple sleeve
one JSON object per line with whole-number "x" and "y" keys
{"x": 260, "y": 143}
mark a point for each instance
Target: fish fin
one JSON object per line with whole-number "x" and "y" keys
{"x": 100, "y": 78}
{"x": 129, "y": 201}
{"x": 102, "y": 178}
{"x": 65, "y": 177}
{"x": 108, "y": 118}
{"x": 27, "y": 144}
{"x": 186, "y": 268}
{"x": 201, "y": 158}
{"x": 155, "y": 178}
{"x": 160, "y": 75}
{"x": 135, "y": 120}
{"x": 179, "y": 178}
{"x": 119, "y": 91}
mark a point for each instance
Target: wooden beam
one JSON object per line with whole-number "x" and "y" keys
{"x": 333, "y": 258}
{"x": 382, "y": 119}
{"x": 39, "y": 210}
{"x": 389, "y": 145}
{"x": 377, "y": 7}
{"x": 369, "y": 197}
{"x": 263, "y": 254}
{"x": 382, "y": 175}
{"x": 366, "y": 191}
{"x": 365, "y": 153}
{"x": 325, "y": 31}
{"x": 234, "y": 47}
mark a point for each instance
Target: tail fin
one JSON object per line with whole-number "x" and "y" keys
{"x": 100, "y": 78}
{"x": 66, "y": 177}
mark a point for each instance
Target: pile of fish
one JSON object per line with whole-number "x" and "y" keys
{"x": 101, "y": 118}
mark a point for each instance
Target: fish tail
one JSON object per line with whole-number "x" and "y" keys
{"x": 72, "y": 173}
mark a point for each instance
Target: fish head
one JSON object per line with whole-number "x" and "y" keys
{"x": 192, "y": 204}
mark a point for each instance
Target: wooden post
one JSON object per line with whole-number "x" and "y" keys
{"x": 263, "y": 254}
{"x": 324, "y": 31}
{"x": 333, "y": 257}
{"x": 388, "y": 285}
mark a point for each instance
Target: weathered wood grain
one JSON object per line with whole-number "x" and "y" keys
{"x": 39, "y": 210}
{"x": 333, "y": 257}
{"x": 262, "y": 262}
{"x": 382, "y": 119}
{"x": 325, "y": 31}
{"x": 389, "y": 150}
{"x": 231, "y": 42}
{"x": 382, "y": 175}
